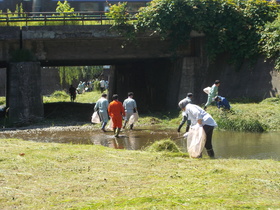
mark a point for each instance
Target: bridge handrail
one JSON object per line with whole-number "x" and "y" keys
{"x": 12, "y": 17}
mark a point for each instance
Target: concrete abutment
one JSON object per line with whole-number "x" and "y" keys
{"x": 24, "y": 99}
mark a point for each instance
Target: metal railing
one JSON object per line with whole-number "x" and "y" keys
{"x": 43, "y": 18}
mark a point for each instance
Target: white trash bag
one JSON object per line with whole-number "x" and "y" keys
{"x": 196, "y": 139}
{"x": 110, "y": 125}
{"x": 207, "y": 90}
{"x": 133, "y": 118}
{"x": 95, "y": 118}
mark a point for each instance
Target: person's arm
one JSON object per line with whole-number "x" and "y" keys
{"x": 96, "y": 106}
{"x": 135, "y": 107}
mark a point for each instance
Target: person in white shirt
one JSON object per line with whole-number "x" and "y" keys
{"x": 197, "y": 115}
{"x": 102, "y": 85}
{"x": 130, "y": 107}
{"x": 182, "y": 104}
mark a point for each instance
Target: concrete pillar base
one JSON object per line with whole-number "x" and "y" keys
{"x": 24, "y": 98}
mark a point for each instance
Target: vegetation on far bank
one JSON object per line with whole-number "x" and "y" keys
{"x": 65, "y": 176}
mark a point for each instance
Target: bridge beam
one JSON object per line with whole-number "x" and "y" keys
{"x": 24, "y": 98}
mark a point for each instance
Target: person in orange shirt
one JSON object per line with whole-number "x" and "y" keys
{"x": 116, "y": 112}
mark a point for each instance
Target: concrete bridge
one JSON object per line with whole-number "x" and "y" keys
{"x": 146, "y": 66}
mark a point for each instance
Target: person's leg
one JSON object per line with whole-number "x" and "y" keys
{"x": 184, "y": 119}
{"x": 209, "y": 101}
{"x": 208, "y": 145}
{"x": 103, "y": 126}
{"x": 126, "y": 118}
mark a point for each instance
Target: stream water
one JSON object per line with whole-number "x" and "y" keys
{"x": 225, "y": 143}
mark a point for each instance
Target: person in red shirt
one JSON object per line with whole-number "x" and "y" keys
{"x": 116, "y": 112}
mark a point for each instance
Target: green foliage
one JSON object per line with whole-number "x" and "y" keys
{"x": 270, "y": 41}
{"x": 96, "y": 85}
{"x": 60, "y": 94}
{"x": 274, "y": 100}
{"x": 2, "y": 100}
{"x": 122, "y": 21}
{"x": 165, "y": 145}
{"x": 69, "y": 73}
{"x": 118, "y": 12}
{"x": 230, "y": 26}
{"x": 64, "y": 7}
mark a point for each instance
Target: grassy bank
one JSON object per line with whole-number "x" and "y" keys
{"x": 64, "y": 176}
{"x": 248, "y": 117}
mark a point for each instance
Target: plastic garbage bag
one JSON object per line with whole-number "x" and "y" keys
{"x": 207, "y": 90}
{"x": 95, "y": 118}
{"x": 133, "y": 118}
{"x": 196, "y": 141}
{"x": 110, "y": 125}
{"x": 186, "y": 135}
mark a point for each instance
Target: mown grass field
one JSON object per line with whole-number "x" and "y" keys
{"x": 65, "y": 176}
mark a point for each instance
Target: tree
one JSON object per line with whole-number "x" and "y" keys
{"x": 231, "y": 26}
{"x": 64, "y": 7}
{"x": 270, "y": 41}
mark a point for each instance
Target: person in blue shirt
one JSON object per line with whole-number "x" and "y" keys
{"x": 222, "y": 102}
{"x": 101, "y": 107}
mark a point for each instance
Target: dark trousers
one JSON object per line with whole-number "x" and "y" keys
{"x": 209, "y": 132}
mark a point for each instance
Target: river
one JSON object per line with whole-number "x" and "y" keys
{"x": 226, "y": 144}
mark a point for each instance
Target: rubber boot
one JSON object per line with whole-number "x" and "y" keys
{"x": 211, "y": 153}
{"x": 187, "y": 128}
{"x": 117, "y": 132}
{"x": 131, "y": 126}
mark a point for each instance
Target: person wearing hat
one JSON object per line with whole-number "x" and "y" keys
{"x": 116, "y": 112}
{"x": 130, "y": 107}
{"x": 101, "y": 107}
{"x": 212, "y": 94}
{"x": 182, "y": 104}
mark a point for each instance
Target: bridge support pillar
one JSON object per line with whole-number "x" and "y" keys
{"x": 24, "y": 98}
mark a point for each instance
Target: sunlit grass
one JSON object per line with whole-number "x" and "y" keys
{"x": 62, "y": 96}
{"x": 64, "y": 176}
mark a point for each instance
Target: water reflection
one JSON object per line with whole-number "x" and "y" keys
{"x": 226, "y": 144}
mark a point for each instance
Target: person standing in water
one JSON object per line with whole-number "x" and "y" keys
{"x": 101, "y": 107}
{"x": 130, "y": 107}
{"x": 116, "y": 112}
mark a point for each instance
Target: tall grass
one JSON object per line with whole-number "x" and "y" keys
{"x": 251, "y": 117}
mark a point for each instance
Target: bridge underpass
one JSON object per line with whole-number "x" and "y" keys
{"x": 146, "y": 67}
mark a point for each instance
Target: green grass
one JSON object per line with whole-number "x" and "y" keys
{"x": 65, "y": 176}
{"x": 62, "y": 96}
{"x": 252, "y": 117}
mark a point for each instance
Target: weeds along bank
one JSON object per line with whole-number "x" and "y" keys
{"x": 252, "y": 117}
{"x": 63, "y": 176}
